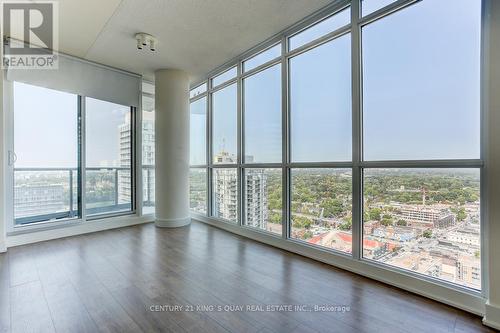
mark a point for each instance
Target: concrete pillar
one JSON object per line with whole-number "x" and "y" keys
{"x": 172, "y": 148}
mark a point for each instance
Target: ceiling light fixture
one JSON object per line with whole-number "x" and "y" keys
{"x": 144, "y": 39}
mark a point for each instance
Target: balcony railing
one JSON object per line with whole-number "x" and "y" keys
{"x": 44, "y": 194}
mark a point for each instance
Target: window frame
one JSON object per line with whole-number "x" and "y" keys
{"x": 357, "y": 164}
{"x": 139, "y": 151}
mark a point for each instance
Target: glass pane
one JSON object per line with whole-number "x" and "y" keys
{"x": 148, "y": 160}
{"x": 369, "y": 6}
{"x": 262, "y": 103}
{"x": 321, "y": 207}
{"x": 46, "y": 145}
{"x": 263, "y": 199}
{"x": 148, "y": 87}
{"x": 421, "y": 91}
{"x": 198, "y": 90}
{"x": 263, "y": 57}
{"x": 426, "y": 221}
{"x": 148, "y": 103}
{"x": 148, "y": 192}
{"x": 108, "y": 157}
{"x": 320, "y": 29}
{"x": 224, "y": 77}
{"x": 198, "y": 132}
{"x": 225, "y": 187}
{"x": 198, "y": 190}
{"x": 320, "y": 103}
{"x": 224, "y": 125}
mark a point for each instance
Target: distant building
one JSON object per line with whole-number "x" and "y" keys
{"x": 226, "y": 193}
{"x": 469, "y": 271}
{"x": 464, "y": 236}
{"x": 39, "y": 199}
{"x": 225, "y": 157}
{"x": 370, "y": 226}
{"x": 424, "y": 216}
{"x": 256, "y": 199}
{"x": 400, "y": 234}
{"x": 148, "y": 159}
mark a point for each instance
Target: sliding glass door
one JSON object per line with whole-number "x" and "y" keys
{"x": 46, "y": 155}
{"x": 69, "y": 152}
{"x": 109, "y": 148}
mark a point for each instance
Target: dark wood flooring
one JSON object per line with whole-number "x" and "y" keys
{"x": 109, "y": 282}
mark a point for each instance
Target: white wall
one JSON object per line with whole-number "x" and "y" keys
{"x": 492, "y": 155}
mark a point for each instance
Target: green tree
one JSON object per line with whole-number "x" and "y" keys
{"x": 347, "y": 225}
{"x": 275, "y": 218}
{"x": 332, "y": 207}
{"x": 300, "y": 222}
{"x": 427, "y": 233}
{"x": 307, "y": 235}
{"x": 402, "y": 223}
{"x": 387, "y": 220}
{"x": 461, "y": 215}
{"x": 375, "y": 214}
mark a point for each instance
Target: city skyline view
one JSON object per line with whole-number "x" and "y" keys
{"x": 424, "y": 220}
{"x": 406, "y": 225}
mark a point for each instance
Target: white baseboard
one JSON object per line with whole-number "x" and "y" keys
{"x": 492, "y": 316}
{"x": 470, "y": 302}
{"x": 76, "y": 229}
{"x": 173, "y": 223}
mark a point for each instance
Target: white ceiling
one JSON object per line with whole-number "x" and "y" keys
{"x": 194, "y": 35}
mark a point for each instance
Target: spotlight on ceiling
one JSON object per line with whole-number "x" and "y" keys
{"x": 144, "y": 39}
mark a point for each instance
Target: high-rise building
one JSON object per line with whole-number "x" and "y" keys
{"x": 226, "y": 193}
{"x": 148, "y": 155}
{"x": 256, "y": 198}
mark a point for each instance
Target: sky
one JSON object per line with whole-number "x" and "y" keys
{"x": 421, "y": 95}
{"x": 102, "y": 127}
{"x": 421, "y": 92}
{"x": 46, "y": 133}
{"x": 45, "y": 127}
{"x": 421, "y": 98}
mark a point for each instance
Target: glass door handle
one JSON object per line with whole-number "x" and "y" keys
{"x": 12, "y": 158}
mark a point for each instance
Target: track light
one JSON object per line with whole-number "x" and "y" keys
{"x": 144, "y": 39}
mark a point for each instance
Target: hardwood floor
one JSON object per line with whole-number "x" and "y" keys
{"x": 118, "y": 280}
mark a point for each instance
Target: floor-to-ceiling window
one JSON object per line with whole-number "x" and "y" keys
{"x": 320, "y": 136}
{"x": 46, "y": 156}
{"x": 198, "y": 188}
{"x": 148, "y": 148}
{"x": 262, "y": 141}
{"x": 224, "y": 135}
{"x": 421, "y": 105}
{"x": 359, "y": 133}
